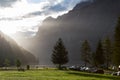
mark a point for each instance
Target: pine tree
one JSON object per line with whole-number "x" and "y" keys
{"x": 60, "y": 54}
{"x": 99, "y": 58}
{"x": 86, "y": 53}
{"x": 93, "y": 59}
{"x": 28, "y": 67}
{"x": 107, "y": 51}
{"x": 116, "y": 52}
{"x": 6, "y": 63}
{"x": 18, "y": 63}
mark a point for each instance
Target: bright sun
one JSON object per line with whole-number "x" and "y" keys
{"x": 8, "y": 27}
{"x": 8, "y": 30}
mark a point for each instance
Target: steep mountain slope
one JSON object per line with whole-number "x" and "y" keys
{"x": 11, "y": 51}
{"x": 87, "y": 21}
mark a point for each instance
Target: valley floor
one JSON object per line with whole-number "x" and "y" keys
{"x": 53, "y": 75}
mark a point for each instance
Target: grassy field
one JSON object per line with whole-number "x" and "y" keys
{"x": 53, "y": 75}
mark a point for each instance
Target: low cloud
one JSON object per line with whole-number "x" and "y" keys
{"x": 27, "y": 34}
{"x": 7, "y": 3}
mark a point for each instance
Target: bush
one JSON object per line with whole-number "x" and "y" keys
{"x": 21, "y": 69}
{"x": 99, "y": 71}
{"x": 28, "y": 67}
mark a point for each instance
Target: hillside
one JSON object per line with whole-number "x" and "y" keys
{"x": 11, "y": 51}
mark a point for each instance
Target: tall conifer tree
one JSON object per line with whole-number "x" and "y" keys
{"x": 107, "y": 51}
{"x": 99, "y": 58}
{"x": 60, "y": 54}
{"x": 116, "y": 53}
{"x": 86, "y": 53}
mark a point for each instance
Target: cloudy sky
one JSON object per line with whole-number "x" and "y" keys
{"x": 24, "y": 16}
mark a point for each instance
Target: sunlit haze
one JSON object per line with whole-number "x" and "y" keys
{"x": 27, "y": 15}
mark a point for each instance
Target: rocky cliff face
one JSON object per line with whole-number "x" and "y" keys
{"x": 87, "y": 21}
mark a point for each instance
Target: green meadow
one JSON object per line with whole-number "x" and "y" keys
{"x": 54, "y": 75}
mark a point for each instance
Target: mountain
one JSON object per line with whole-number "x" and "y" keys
{"x": 11, "y": 51}
{"x": 91, "y": 20}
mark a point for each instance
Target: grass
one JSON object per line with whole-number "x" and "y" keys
{"x": 53, "y": 75}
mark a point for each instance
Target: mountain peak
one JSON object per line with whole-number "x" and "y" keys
{"x": 82, "y": 4}
{"x": 49, "y": 19}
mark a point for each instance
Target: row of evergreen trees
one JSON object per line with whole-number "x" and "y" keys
{"x": 7, "y": 63}
{"x": 107, "y": 52}
{"x": 102, "y": 57}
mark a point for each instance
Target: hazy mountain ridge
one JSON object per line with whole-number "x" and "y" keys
{"x": 93, "y": 21}
{"x": 11, "y": 51}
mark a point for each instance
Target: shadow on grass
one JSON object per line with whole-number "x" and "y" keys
{"x": 99, "y": 76}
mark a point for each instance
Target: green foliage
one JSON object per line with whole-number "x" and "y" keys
{"x": 18, "y": 63}
{"x": 116, "y": 55}
{"x": 60, "y": 54}
{"x": 86, "y": 53}
{"x": 99, "y": 58}
{"x": 28, "y": 67}
{"x": 93, "y": 61}
{"x": 107, "y": 52}
{"x": 6, "y": 63}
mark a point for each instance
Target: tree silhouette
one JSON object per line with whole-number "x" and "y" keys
{"x": 116, "y": 51}
{"x": 6, "y": 63}
{"x": 60, "y": 54}
{"x": 85, "y": 52}
{"x": 99, "y": 58}
{"x": 107, "y": 47}
{"x": 28, "y": 67}
{"x": 18, "y": 63}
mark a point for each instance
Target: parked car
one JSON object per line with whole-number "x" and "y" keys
{"x": 77, "y": 68}
{"x": 64, "y": 67}
{"x": 87, "y": 69}
{"x": 92, "y": 70}
{"x": 116, "y": 73}
{"x": 100, "y": 71}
